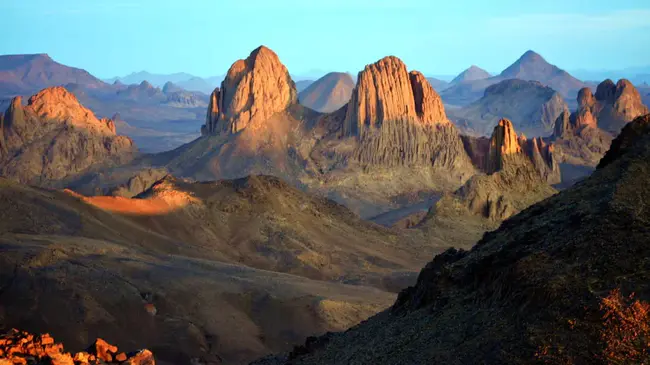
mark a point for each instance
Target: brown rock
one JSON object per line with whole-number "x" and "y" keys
{"x": 61, "y": 359}
{"x": 54, "y": 136}
{"x": 428, "y": 104}
{"x": 385, "y": 91}
{"x": 254, "y": 90}
{"x": 213, "y": 113}
{"x": 503, "y": 142}
{"x": 617, "y": 105}
{"x": 120, "y": 357}
{"x": 103, "y": 350}
{"x": 143, "y": 357}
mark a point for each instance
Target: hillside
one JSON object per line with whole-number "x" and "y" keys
{"x": 529, "y": 292}
{"x": 234, "y": 269}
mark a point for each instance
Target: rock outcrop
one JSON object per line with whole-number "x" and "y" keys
{"x": 20, "y": 347}
{"x": 386, "y": 92}
{"x": 531, "y": 106}
{"x": 253, "y": 91}
{"x": 617, "y": 104}
{"x": 54, "y": 136}
{"x": 583, "y": 137}
{"x": 505, "y": 150}
{"x": 329, "y": 93}
{"x": 518, "y": 174}
{"x": 397, "y": 118}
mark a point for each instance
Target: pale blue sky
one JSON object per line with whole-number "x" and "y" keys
{"x": 116, "y": 37}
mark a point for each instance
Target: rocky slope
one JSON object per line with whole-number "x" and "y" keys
{"x": 219, "y": 271}
{"x": 529, "y": 67}
{"x": 54, "y": 137}
{"x": 529, "y": 292}
{"x": 472, "y": 73}
{"x": 329, "y": 93}
{"x": 532, "y": 107}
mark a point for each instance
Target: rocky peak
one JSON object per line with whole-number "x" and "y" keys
{"x": 254, "y": 89}
{"x": 59, "y": 105}
{"x": 586, "y": 98}
{"x": 503, "y": 142}
{"x": 606, "y": 91}
{"x": 428, "y": 104}
{"x": 385, "y": 91}
{"x": 471, "y": 74}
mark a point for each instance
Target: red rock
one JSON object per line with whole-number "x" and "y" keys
{"x": 143, "y": 357}
{"x": 61, "y": 359}
{"x": 120, "y": 357}
{"x": 254, "y": 90}
{"x": 104, "y": 350}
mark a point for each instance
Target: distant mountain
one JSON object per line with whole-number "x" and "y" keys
{"x": 532, "y": 66}
{"x": 200, "y": 84}
{"x": 328, "y": 93}
{"x": 157, "y": 80}
{"x": 529, "y": 67}
{"x": 142, "y": 91}
{"x": 182, "y": 79}
{"x": 303, "y": 84}
{"x": 25, "y": 74}
{"x": 471, "y": 74}
{"x": 637, "y": 75}
{"x": 531, "y": 106}
{"x": 438, "y": 84}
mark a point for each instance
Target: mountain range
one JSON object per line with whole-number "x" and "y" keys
{"x": 296, "y": 212}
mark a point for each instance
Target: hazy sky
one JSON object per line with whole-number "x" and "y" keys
{"x": 116, "y": 37}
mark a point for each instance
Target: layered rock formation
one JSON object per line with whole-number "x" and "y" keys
{"x": 529, "y": 292}
{"x": 54, "y": 136}
{"x": 398, "y": 119}
{"x": 531, "y": 106}
{"x": 329, "y": 93}
{"x": 20, "y": 347}
{"x": 260, "y": 77}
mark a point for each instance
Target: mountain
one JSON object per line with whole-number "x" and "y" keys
{"x": 254, "y": 125}
{"x": 548, "y": 286}
{"x": 54, "y": 137}
{"x": 437, "y": 84}
{"x": 157, "y": 80}
{"x": 144, "y": 91}
{"x": 532, "y": 107}
{"x": 529, "y": 67}
{"x": 222, "y": 271}
{"x": 201, "y": 85}
{"x": 473, "y": 73}
{"x": 583, "y": 137}
{"x": 24, "y": 74}
{"x": 303, "y": 84}
{"x": 329, "y": 93}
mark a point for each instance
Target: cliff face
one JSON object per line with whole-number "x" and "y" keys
{"x": 617, "y": 104}
{"x": 260, "y": 77}
{"x": 398, "y": 119}
{"x": 54, "y": 136}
